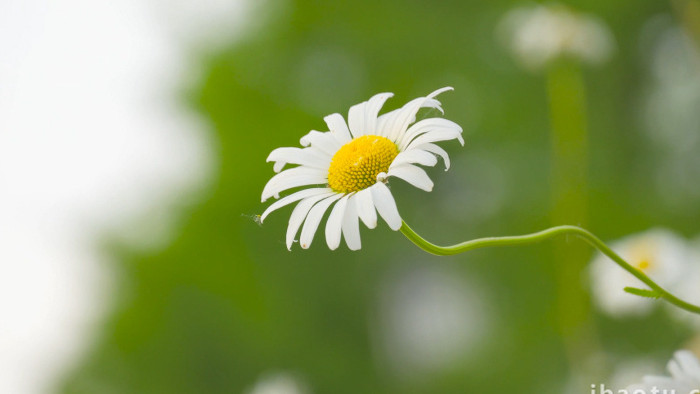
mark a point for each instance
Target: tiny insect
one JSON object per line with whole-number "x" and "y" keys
{"x": 255, "y": 218}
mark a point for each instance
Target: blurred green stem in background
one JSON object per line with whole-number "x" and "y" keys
{"x": 688, "y": 13}
{"x": 655, "y": 292}
{"x": 569, "y": 198}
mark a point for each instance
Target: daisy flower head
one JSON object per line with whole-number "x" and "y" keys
{"x": 346, "y": 169}
{"x": 659, "y": 253}
{"x": 684, "y": 379}
{"x": 688, "y": 288}
{"x": 540, "y": 34}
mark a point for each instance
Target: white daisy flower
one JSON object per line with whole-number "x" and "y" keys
{"x": 348, "y": 168}
{"x": 541, "y": 34}
{"x": 684, "y": 379}
{"x": 688, "y": 288}
{"x": 428, "y": 318}
{"x": 660, "y": 254}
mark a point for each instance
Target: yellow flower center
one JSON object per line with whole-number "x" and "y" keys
{"x": 355, "y": 165}
{"x": 643, "y": 255}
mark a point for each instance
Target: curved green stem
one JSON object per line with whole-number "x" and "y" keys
{"x": 541, "y": 236}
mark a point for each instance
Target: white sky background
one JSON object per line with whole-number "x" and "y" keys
{"x": 91, "y": 138}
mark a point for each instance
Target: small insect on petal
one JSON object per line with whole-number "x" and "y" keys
{"x": 255, "y": 218}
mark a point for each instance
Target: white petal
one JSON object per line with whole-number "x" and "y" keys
{"x": 675, "y": 369}
{"x": 323, "y": 141}
{"x": 356, "y": 120}
{"x": 337, "y": 126}
{"x": 335, "y": 222}
{"x": 374, "y": 105}
{"x": 365, "y": 207}
{"x": 416, "y": 176}
{"x": 314, "y": 218}
{"x": 424, "y": 126}
{"x": 416, "y": 156}
{"x": 362, "y": 117}
{"x": 309, "y": 157}
{"x": 299, "y": 214}
{"x": 293, "y": 177}
{"x": 432, "y": 148}
{"x": 278, "y": 166}
{"x": 386, "y": 122}
{"x": 396, "y": 127}
{"x": 689, "y": 364}
{"x": 437, "y": 135}
{"x": 441, "y": 90}
{"x": 301, "y": 194}
{"x": 386, "y": 206}
{"x": 383, "y": 122}
{"x": 351, "y": 226}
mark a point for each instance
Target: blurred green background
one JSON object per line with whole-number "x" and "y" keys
{"x": 225, "y": 303}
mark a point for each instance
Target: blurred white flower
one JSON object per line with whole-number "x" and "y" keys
{"x": 278, "y": 383}
{"x": 688, "y": 288}
{"x": 429, "y": 318}
{"x": 660, "y": 254}
{"x": 668, "y": 112}
{"x": 631, "y": 370}
{"x": 685, "y": 377}
{"x": 540, "y": 34}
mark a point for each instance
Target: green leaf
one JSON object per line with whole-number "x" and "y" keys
{"x": 643, "y": 292}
